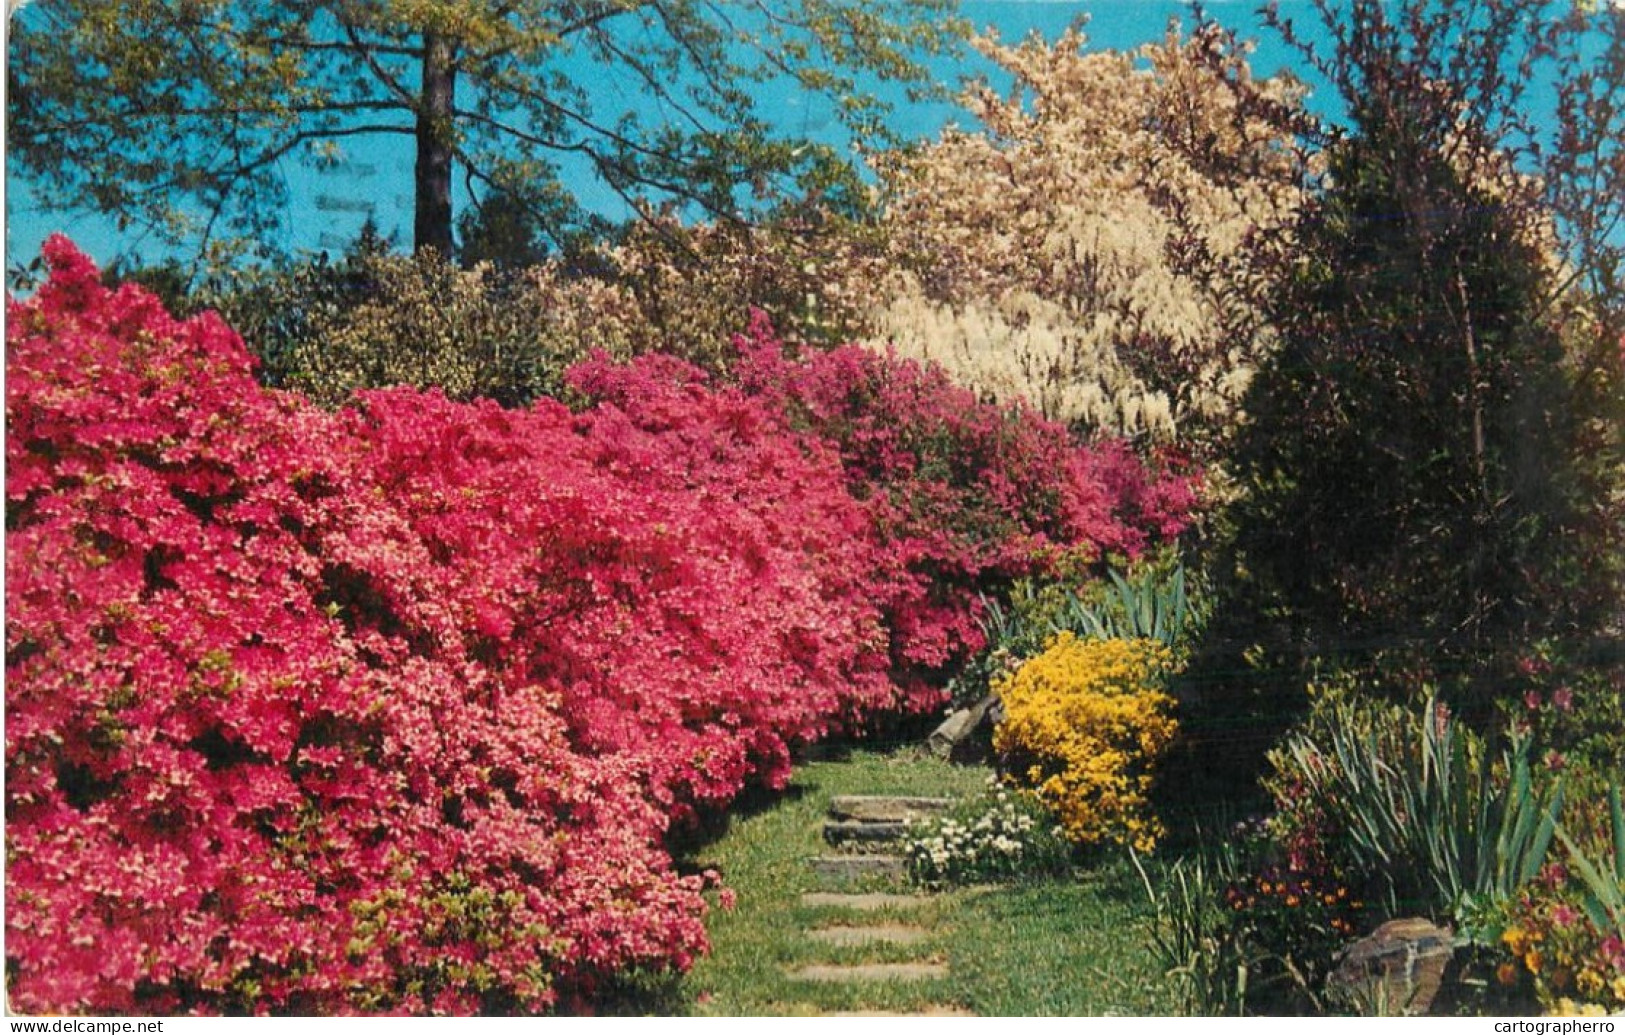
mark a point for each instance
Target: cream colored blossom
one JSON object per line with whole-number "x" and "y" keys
{"x": 1089, "y": 249}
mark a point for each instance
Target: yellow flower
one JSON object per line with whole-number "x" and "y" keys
{"x": 1531, "y": 959}
{"x": 1569, "y": 1008}
{"x": 1090, "y": 722}
{"x": 1589, "y": 982}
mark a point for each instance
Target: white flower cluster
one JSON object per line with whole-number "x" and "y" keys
{"x": 999, "y": 839}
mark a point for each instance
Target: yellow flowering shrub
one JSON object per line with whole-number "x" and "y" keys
{"x": 1085, "y": 724}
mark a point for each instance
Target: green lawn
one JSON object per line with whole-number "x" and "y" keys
{"x": 1055, "y": 947}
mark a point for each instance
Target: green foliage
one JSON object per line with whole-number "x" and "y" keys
{"x": 285, "y": 307}
{"x": 1573, "y": 701}
{"x": 1432, "y": 467}
{"x": 1414, "y": 798}
{"x": 503, "y": 231}
{"x": 1015, "y": 630}
{"x": 370, "y": 318}
{"x": 1153, "y": 606}
{"x": 471, "y": 333}
{"x": 179, "y": 117}
{"x": 1151, "y": 601}
{"x": 1242, "y": 930}
{"x": 1203, "y": 951}
{"x": 1604, "y": 882}
{"x": 811, "y": 269}
{"x": 1409, "y": 438}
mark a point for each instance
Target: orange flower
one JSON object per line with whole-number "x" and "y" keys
{"x": 1507, "y": 974}
{"x": 1531, "y": 959}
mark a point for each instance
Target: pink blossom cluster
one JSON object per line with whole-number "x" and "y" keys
{"x": 960, "y": 495}
{"x": 392, "y": 709}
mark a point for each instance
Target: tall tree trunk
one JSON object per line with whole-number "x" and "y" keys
{"x": 431, "y": 224}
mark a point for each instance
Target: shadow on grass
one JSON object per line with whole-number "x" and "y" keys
{"x": 641, "y": 994}
{"x": 688, "y": 841}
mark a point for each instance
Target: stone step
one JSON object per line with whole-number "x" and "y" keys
{"x": 930, "y": 1010}
{"x": 853, "y": 867}
{"x": 858, "y": 832}
{"x": 884, "y": 808}
{"x": 880, "y": 934}
{"x": 858, "y": 972}
{"x": 866, "y": 902}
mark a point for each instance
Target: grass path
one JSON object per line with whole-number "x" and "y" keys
{"x": 1074, "y": 947}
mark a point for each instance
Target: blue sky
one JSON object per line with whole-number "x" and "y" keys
{"x": 326, "y": 209}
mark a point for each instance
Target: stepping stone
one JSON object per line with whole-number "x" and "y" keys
{"x": 852, "y": 867}
{"x": 843, "y": 832}
{"x": 871, "y": 972}
{"x": 932, "y": 1010}
{"x": 889, "y": 934}
{"x": 863, "y": 903}
{"x": 884, "y": 808}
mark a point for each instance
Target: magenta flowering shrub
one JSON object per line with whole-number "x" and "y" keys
{"x": 391, "y": 709}
{"x": 962, "y": 496}
{"x": 694, "y": 590}
{"x": 252, "y": 761}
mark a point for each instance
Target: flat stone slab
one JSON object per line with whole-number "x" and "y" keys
{"x": 852, "y": 867}
{"x": 871, "y": 972}
{"x": 884, "y": 808}
{"x": 866, "y": 903}
{"x": 851, "y": 831}
{"x": 888, "y": 934}
{"x": 924, "y": 1011}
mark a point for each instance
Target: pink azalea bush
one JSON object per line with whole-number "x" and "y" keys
{"x": 961, "y": 496}
{"x": 392, "y": 709}
{"x": 693, "y": 590}
{"x": 254, "y": 761}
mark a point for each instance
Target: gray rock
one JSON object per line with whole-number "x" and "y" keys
{"x": 854, "y": 867}
{"x": 850, "y": 832}
{"x": 1396, "y": 969}
{"x": 884, "y": 934}
{"x": 961, "y": 728}
{"x": 929, "y": 1010}
{"x": 884, "y": 808}
{"x": 871, "y": 972}
{"x": 867, "y": 902}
